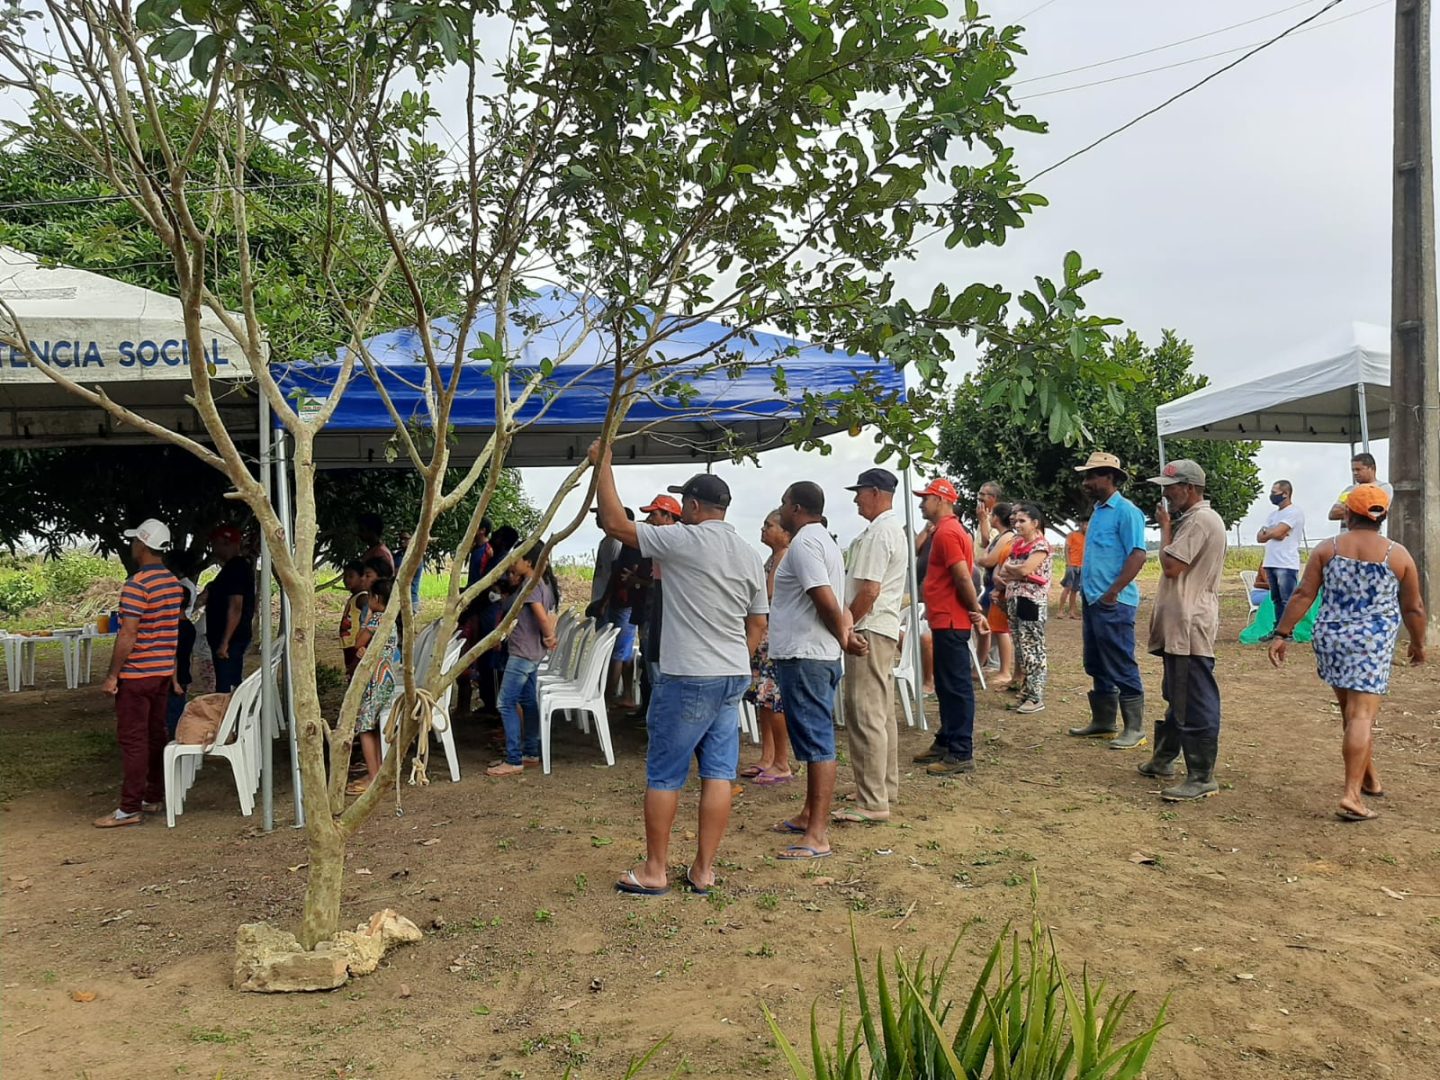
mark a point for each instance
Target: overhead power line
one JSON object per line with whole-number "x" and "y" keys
{"x": 1034, "y": 10}
{"x": 1183, "y": 93}
{"x": 1193, "y": 59}
{"x": 1168, "y": 45}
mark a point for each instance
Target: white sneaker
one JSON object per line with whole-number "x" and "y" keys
{"x": 1031, "y": 707}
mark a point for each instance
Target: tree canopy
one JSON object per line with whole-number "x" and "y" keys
{"x": 978, "y": 441}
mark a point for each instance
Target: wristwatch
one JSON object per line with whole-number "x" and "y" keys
{"x": 1283, "y": 637}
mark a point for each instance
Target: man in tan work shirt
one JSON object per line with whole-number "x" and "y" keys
{"x": 1183, "y": 627}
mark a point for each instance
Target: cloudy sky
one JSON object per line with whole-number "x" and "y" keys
{"x": 1250, "y": 217}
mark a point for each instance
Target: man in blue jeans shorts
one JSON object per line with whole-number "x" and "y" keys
{"x": 809, "y": 630}
{"x": 1114, "y": 554}
{"x": 714, "y": 613}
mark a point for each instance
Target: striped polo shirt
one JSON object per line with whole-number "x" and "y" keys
{"x": 154, "y": 596}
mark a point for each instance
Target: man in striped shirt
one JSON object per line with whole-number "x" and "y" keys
{"x": 140, "y": 670}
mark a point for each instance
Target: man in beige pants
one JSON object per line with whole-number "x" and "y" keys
{"x": 874, "y": 588}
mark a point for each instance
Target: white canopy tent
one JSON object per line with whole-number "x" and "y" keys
{"x": 131, "y": 342}
{"x": 103, "y": 332}
{"x": 1334, "y": 390}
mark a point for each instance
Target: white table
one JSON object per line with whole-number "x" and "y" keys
{"x": 77, "y": 649}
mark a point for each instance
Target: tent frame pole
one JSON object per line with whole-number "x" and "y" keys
{"x": 268, "y": 714}
{"x": 1161, "y": 440}
{"x": 282, "y": 481}
{"x": 917, "y": 659}
{"x": 1364, "y": 416}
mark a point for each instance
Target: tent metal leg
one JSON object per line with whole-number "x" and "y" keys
{"x": 282, "y": 483}
{"x": 1162, "y": 451}
{"x": 1364, "y": 416}
{"x": 268, "y": 726}
{"x": 917, "y": 684}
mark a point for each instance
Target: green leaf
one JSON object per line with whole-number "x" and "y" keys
{"x": 206, "y": 49}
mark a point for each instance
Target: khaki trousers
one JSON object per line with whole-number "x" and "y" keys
{"x": 869, "y": 690}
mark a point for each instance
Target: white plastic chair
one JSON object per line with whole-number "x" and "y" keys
{"x": 584, "y": 696}
{"x": 440, "y": 726}
{"x": 1247, "y": 579}
{"x": 242, "y": 719}
{"x": 749, "y": 720}
{"x": 904, "y": 676}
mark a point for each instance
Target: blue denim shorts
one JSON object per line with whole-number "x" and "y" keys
{"x": 693, "y": 717}
{"x": 808, "y": 687}
{"x": 624, "y": 644}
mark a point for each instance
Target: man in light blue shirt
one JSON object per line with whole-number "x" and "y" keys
{"x": 1114, "y": 554}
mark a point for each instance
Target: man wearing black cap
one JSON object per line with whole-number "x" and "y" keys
{"x": 874, "y": 589}
{"x": 714, "y": 606}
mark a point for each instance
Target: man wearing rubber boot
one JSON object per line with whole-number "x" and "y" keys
{"x": 1183, "y": 627}
{"x": 1114, "y": 554}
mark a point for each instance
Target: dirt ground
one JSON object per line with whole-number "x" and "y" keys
{"x": 1291, "y": 945}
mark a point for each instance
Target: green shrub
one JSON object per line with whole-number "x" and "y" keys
{"x": 74, "y": 572}
{"x": 1024, "y": 1021}
{"x": 20, "y": 589}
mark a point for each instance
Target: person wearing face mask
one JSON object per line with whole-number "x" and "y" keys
{"x": 1281, "y": 536}
{"x": 1183, "y": 627}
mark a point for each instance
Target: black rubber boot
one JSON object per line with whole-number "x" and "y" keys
{"x": 1161, "y": 765}
{"x": 1132, "y": 710}
{"x": 1200, "y": 754}
{"x": 1104, "y": 709}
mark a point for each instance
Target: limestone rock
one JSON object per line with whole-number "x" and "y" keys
{"x": 395, "y": 929}
{"x": 271, "y": 961}
{"x": 361, "y": 952}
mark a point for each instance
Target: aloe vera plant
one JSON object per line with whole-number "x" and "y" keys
{"x": 1024, "y": 1019}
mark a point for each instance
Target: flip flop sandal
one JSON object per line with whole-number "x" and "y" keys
{"x": 788, "y": 827}
{"x": 630, "y": 886}
{"x": 1372, "y": 794}
{"x": 1350, "y": 815}
{"x": 792, "y": 854}
{"x": 357, "y": 787}
{"x": 750, "y": 772}
{"x": 766, "y": 779}
{"x": 698, "y": 890}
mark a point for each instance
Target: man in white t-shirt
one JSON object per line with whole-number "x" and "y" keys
{"x": 1362, "y": 471}
{"x": 874, "y": 589}
{"x": 1283, "y": 531}
{"x": 714, "y": 609}
{"x": 809, "y": 629}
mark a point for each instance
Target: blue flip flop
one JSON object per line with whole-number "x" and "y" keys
{"x": 630, "y": 886}
{"x": 811, "y": 857}
{"x": 788, "y": 826}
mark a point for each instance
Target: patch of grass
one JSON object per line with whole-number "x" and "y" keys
{"x": 765, "y": 951}
{"x": 218, "y": 1036}
{"x": 43, "y": 759}
{"x": 542, "y": 915}
{"x": 767, "y": 901}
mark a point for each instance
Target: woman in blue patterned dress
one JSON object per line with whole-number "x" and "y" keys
{"x": 1371, "y": 587}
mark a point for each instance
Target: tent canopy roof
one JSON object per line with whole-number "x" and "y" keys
{"x": 686, "y": 411}
{"x": 1309, "y": 395}
{"x": 107, "y": 333}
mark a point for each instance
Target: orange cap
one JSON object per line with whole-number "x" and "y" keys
{"x": 1368, "y": 500}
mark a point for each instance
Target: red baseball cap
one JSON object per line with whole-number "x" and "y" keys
{"x": 942, "y": 489}
{"x": 663, "y": 502}
{"x": 227, "y": 533}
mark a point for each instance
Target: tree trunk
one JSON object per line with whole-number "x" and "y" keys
{"x": 326, "y": 845}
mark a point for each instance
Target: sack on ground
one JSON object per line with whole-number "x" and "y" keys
{"x": 200, "y": 722}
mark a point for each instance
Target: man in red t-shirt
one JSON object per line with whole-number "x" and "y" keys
{"x": 140, "y": 671}
{"x": 952, "y": 609}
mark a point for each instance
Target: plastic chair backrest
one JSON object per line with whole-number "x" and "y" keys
{"x": 592, "y": 679}
{"x": 1247, "y": 578}
{"x": 245, "y": 707}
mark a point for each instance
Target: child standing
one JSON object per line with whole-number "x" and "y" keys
{"x": 1027, "y": 589}
{"x": 530, "y": 637}
{"x": 379, "y": 691}
{"x": 352, "y": 617}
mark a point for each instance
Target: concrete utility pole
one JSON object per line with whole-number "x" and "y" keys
{"x": 1414, "y": 369}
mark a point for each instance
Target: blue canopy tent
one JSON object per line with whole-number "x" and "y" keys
{"x": 714, "y": 388}
{"x": 714, "y": 391}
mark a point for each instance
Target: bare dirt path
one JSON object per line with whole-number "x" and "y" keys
{"x": 1292, "y": 945}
